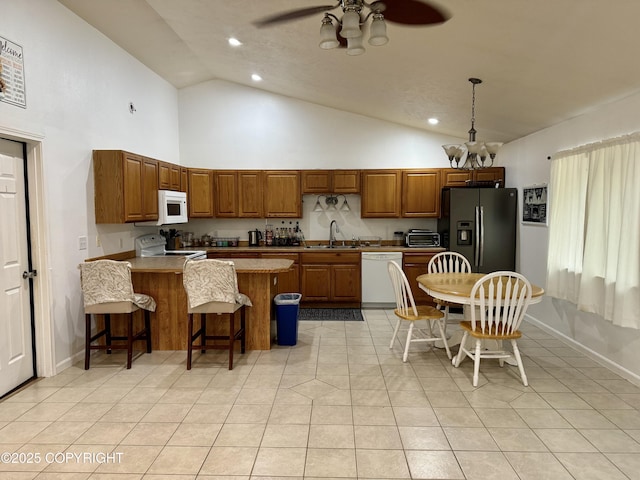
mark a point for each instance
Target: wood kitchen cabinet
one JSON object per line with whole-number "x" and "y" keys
{"x": 421, "y": 193}
{"x": 330, "y": 181}
{"x": 381, "y": 193}
{"x": 331, "y": 278}
{"x": 225, "y": 193}
{"x": 184, "y": 179}
{"x": 413, "y": 265}
{"x": 168, "y": 176}
{"x": 126, "y": 187}
{"x": 238, "y": 193}
{"x": 200, "y": 194}
{"x": 453, "y": 177}
{"x": 282, "y": 195}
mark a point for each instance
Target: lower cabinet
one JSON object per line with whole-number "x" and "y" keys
{"x": 415, "y": 264}
{"x": 330, "y": 278}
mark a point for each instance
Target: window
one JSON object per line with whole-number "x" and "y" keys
{"x": 594, "y": 229}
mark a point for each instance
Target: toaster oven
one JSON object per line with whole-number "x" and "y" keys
{"x": 422, "y": 238}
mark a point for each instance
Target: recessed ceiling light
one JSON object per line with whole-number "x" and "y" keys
{"x": 234, "y": 42}
{"x": 256, "y": 78}
{"x": 433, "y": 121}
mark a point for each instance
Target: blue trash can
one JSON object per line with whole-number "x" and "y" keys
{"x": 287, "y": 308}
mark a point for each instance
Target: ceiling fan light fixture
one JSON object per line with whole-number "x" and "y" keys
{"x": 378, "y": 31}
{"x": 328, "y": 37}
{"x": 351, "y": 24}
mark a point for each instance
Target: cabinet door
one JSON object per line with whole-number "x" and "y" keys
{"x": 381, "y": 193}
{"x": 421, "y": 193}
{"x": 288, "y": 282}
{"x": 489, "y": 175}
{"x": 150, "y": 188}
{"x": 452, "y": 177}
{"x": 345, "y": 283}
{"x": 316, "y": 181}
{"x": 200, "y": 200}
{"x": 282, "y": 194}
{"x": 164, "y": 176}
{"x": 346, "y": 181}
{"x": 226, "y": 193}
{"x": 174, "y": 176}
{"x": 184, "y": 179}
{"x": 250, "y": 194}
{"x": 134, "y": 172}
{"x": 415, "y": 265}
{"x": 315, "y": 284}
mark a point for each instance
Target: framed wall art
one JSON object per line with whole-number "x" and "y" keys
{"x": 534, "y": 205}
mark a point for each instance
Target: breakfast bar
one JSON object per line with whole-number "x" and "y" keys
{"x": 161, "y": 277}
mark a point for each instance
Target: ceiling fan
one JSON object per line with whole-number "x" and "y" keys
{"x": 405, "y": 12}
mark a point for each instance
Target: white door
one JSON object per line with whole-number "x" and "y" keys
{"x": 16, "y": 347}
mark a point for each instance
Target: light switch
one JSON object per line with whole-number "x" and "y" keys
{"x": 82, "y": 243}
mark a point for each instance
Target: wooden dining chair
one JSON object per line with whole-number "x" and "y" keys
{"x": 107, "y": 290}
{"x": 407, "y": 311}
{"x": 448, "y": 262}
{"x": 499, "y": 301}
{"x": 212, "y": 288}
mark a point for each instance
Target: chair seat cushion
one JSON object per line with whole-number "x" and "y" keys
{"x": 216, "y": 307}
{"x": 493, "y": 336}
{"x": 425, "y": 312}
{"x": 111, "y": 307}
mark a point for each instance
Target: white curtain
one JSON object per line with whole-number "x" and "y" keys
{"x": 594, "y": 229}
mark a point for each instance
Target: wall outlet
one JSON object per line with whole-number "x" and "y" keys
{"x": 98, "y": 241}
{"x": 121, "y": 243}
{"x": 82, "y": 243}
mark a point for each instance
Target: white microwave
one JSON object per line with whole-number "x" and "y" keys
{"x": 172, "y": 208}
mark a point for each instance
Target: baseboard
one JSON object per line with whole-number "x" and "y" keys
{"x": 593, "y": 355}
{"x": 69, "y": 361}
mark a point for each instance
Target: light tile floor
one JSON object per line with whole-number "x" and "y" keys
{"x": 339, "y": 404}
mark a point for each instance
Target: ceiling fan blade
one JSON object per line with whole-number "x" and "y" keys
{"x": 292, "y": 15}
{"x": 411, "y": 12}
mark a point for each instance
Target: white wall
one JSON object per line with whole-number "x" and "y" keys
{"x": 224, "y": 125}
{"x": 78, "y": 87}
{"x": 527, "y": 164}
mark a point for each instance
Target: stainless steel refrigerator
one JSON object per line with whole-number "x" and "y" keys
{"x": 480, "y": 223}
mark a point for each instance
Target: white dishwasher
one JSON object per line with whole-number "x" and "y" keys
{"x": 377, "y": 291}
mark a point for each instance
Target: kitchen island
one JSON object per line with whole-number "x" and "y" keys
{"x": 161, "y": 277}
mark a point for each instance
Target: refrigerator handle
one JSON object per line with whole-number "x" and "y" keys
{"x": 481, "y": 236}
{"x": 476, "y": 250}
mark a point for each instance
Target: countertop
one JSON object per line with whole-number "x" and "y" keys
{"x": 175, "y": 264}
{"x": 264, "y": 249}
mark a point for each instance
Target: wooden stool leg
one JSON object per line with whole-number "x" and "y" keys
{"x": 190, "y": 343}
{"x": 232, "y": 337}
{"x": 129, "y": 340}
{"x": 107, "y": 330}
{"x": 147, "y": 327}
{"x": 87, "y": 341}
{"x": 203, "y": 332}
{"x": 242, "y": 327}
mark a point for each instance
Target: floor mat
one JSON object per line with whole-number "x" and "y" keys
{"x": 339, "y": 314}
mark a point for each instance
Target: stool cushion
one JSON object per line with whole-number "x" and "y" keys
{"x": 111, "y": 307}
{"x": 212, "y": 281}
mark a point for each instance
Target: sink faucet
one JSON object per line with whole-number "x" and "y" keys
{"x": 332, "y": 235}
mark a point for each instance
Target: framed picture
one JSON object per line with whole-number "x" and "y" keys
{"x": 534, "y": 206}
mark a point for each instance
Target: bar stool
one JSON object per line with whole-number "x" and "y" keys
{"x": 107, "y": 290}
{"x": 212, "y": 288}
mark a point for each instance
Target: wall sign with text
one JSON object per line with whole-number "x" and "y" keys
{"x": 12, "y": 74}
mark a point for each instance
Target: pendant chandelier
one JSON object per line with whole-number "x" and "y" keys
{"x": 473, "y": 152}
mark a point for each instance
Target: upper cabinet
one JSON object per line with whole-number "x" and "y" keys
{"x": 282, "y": 194}
{"x": 381, "y": 193}
{"x": 421, "y": 193}
{"x": 126, "y": 187}
{"x": 200, "y": 193}
{"x": 330, "y": 181}
{"x": 238, "y": 193}
{"x": 168, "y": 176}
{"x": 452, "y": 177}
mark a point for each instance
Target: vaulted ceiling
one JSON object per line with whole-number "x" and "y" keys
{"x": 541, "y": 62}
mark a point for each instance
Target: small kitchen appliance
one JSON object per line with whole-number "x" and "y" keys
{"x": 417, "y": 237}
{"x": 254, "y": 238}
{"x": 172, "y": 208}
{"x": 154, "y": 245}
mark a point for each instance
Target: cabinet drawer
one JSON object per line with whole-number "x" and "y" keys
{"x": 417, "y": 258}
{"x": 329, "y": 258}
